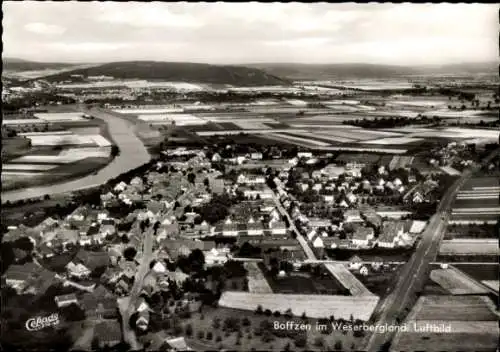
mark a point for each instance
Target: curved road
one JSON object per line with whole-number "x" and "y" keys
{"x": 132, "y": 154}
{"x": 412, "y": 277}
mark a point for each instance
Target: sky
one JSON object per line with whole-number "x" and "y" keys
{"x": 225, "y": 33}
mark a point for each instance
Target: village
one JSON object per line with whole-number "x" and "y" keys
{"x": 253, "y": 223}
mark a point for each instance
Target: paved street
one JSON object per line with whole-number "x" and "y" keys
{"x": 412, "y": 276}
{"x": 303, "y": 242}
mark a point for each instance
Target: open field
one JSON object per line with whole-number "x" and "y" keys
{"x": 27, "y": 167}
{"x": 315, "y": 306}
{"x": 62, "y": 139}
{"x": 346, "y": 278}
{"x": 169, "y": 119}
{"x": 455, "y": 341}
{"x": 469, "y": 247}
{"x": 455, "y": 282}
{"x": 65, "y": 156}
{"x": 480, "y": 271}
{"x": 400, "y": 162}
{"x": 463, "y": 308}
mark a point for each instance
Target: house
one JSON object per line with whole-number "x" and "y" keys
{"x": 254, "y": 228}
{"x": 251, "y": 179}
{"x": 66, "y": 237}
{"x": 176, "y": 345}
{"x": 92, "y": 260}
{"x": 352, "y": 215}
{"x": 377, "y": 263}
{"x": 417, "y": 198}
{"x": 216, "y": 257}
{"x": 362, "y": 236}
{"x": 229, "y": 228}
{"x": 256, "y": 156}
{"x": 306, "y": 155}
{"x": 108, "y": 333}
{"x": 278, "y": 227}
{"x": 355, "y": 262}
{"x": 328, "y": 198}
{"x": 78, "y": 271}
{"x": 65, "y": 300}
{"x": 142, "y": 321}
{"x": 159, "y": 268}
{"x": 317, "y": 222}
{"x": 176, "y": 248}
{"x": 363, "y": 270}
{"x": 120, "y": 187}
{"x": 390, "y": 234}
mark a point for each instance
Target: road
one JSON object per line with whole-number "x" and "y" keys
{"x": 413, "y": 275}
{"x": 133, "y": 154}
{"x": 127, "y": 305}
{"x": 303, "y": 242}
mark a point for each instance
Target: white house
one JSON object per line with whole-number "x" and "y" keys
{"x": 355, "y": 263}
{"x": 328, "y": 198}
{"x": 229, "y": 228}
{"x": 254, "y": 228}
{"x": 391, "y": 233}
{"x": 256, "y": 156}
{"x": 78, "y": 271}
{"x": 277, "y": 227}
{"x": 363, "y": 270}
{"x": 304, "y": 155}
{"x": 65, "y": 300}
{"x": 120, "y": 187}
{"x": 159, "y": 268}
{"x": 216, "y": 257}
{"x": 362, "y": 236}
{"x": 352, "y": 215}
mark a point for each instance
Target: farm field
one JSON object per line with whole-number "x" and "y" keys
{"x": 493, "y": 284}
{"x": 477, "y": 201}
{"x": 315, "y": 306}
{"x": 469, "y": 247}
{"x": 400, "y": 162}
{"x": 454, "y": 341}
{"x": 60, "y": 116}
{"x": 304, "y": 283}
{"x": 480, "y": 271}
{"x": 177, "y": 119}
{"x": 455, "y": 282}
{"x": 450, "y": 171}
{"x": 394, "y": 141}
{"x": 461, "y": 308}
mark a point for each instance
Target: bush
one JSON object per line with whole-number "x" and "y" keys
{"x": 338, "y": 345}
{"x": 210, "y": 336}
{"x": 188, "y": 330}
{"x": 201, "y": 335}
{"x": 246, "y": 321}
{"x": 319, "y": 342}
{"x": 218, "y": 338}
{"x": 268, "y": 312}
{"x": 277, "y": 313}
{"x": 259, "y": 309}
{"x": 300, "y": 341}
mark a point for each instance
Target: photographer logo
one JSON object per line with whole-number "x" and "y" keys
{"x": 38, "y": 323}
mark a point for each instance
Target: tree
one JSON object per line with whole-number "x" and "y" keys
{"x": 300, "y": 340}
{"x": 188, "y": 330}
{"x": 115, "y": 151}
{"x": 73, "y": 313}
{"x": 259, "y": 309}
{"x": 129, "y": 253}
{"x": 338, "y": 345}
{"x": 191, "y": 177}
{"x": 319, "y": 341}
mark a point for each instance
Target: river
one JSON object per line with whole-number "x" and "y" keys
{"x": 133, "y": 154}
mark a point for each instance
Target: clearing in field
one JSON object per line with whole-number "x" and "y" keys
{"x": 470, "y": 247}
{"x": 314, "y": 306}
{"x": 455, "y": 282}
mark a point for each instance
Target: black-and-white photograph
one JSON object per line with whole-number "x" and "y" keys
{"x": 250, "y": 176}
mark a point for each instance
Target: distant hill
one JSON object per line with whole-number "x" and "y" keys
{"x": 348, "y": 71}
{"x": 177, "y": 71}
{"x": 13, "y": 64}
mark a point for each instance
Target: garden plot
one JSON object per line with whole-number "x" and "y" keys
{"x": 452, "y": 113}
{"x": 419, "y": 103}
{"x": 342, "y": 107}
{"x": 328, "y": 136}
{"x": 60, "y": 116}
{"x": 257, "y": 283}
{"x": 470, "y": 247}
{"x": 27, "y": 167}
{"x": 55, "y": 133}
{"x": 394, "y": 140}
{"x": 269, "y": 131}
{"x": 60, "y": 139}
{"x": 178, "y": 119}
{"x": 314, "y": 306}
{"x": 252, "y": 124}
{"x": 456, "y": 282}
{"x": 400, "y": 162}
